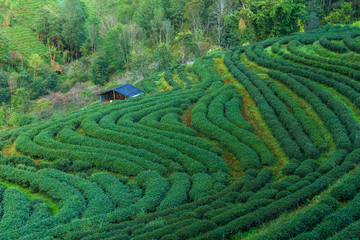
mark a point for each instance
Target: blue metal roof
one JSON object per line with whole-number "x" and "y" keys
{"x": 127, "y": 90}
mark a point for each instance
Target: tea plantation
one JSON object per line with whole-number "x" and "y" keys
{"x": 258, "y": 142}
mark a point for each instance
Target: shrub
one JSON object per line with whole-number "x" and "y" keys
{"x": 290, "y": 167}
{"x": 170, "y": 237}
{"x": 344, "y": 192}
{"x": 243, "y": 197}
{"x": 195, "y": 229}
{"x": 282, "y": 194}
{"x": 79, "y": 166}
{"x": 63, "y": 164}
{"x": 332, "y": 46}
{"x": 100, "y": 70}
{"x": 306, "y": 167}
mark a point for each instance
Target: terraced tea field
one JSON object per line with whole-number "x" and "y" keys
{"x": 258, "y": 142}
{"x": 21, "y": 34}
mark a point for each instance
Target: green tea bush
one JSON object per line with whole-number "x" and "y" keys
{"x": 344, "y": 192}
{"x": 306, "y": 167}
{"x": 201, "y": 186}
{"x": 119, "y": 193}
{"x": 332, "y": 46}
{"x": 79, "y": 166}
{"x": 17, "y": 209}
{"x": 290, "y": 167}
{"x": 178, "y": 193}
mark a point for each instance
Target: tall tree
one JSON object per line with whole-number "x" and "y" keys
{"x": 185, "y": 47}
{"x": 72, "y": 19}
{"x": 270, "y": 18}
{"x": 4, "y": 87}
{"x": 220, "y": 10}
{"x": 117, "y": 47}
{"x": 145, "y": 13}
{"x": 6, "y": 8}
{"x": 341, "y": 15}
{"x": 161, "y": 27}
{"x": 106, "y": 23}
{"x": 44, "y": 25}
{"x": 163, "y": 57}
{"x": 193, "y": 12}
{"x": 174, "y": 11}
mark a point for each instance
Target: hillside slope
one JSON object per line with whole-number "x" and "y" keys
{"x": 259, "y": 142}
{"x": 21, "y": 30}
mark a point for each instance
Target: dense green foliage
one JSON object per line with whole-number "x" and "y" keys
{"x": 260, "y": 141}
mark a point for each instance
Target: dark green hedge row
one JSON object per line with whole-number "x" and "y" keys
{"x": 119, "y": 193}
{"x": 306, "y": 167}
{"x": 97, "y": 201}
{"x": 214, "y": 201}
{"x": 226, "y": 216}
{"x": 292, "y": 47}
{"x": 267, "y": 112}
{"x": 348, "y": 188}
{"x": 194, "y": 229}
{"x": 233, "y": 113}
{"x": 178, "y": 193}
{"x": 25, "y": 162}
{"x": 171, "y": 118}
{"x": 327, "y": 98}
{"x": 169, "y": 128}
{"x": 126, "y": 136}
{"x": 339, "y": 108}
{"x": 17, "y": 209}
{"x": 68, "y": 135}
{"x": 338, "y": 220}
{"x": 307, "y": 122}
{"x": 248, "y": 158}
{"x": 153, "y": 120}
{"x": 263, "y": 194}
{"x": 25, "y": 145}
{"x": 202, "y": 185}
{"x": 70, "y": 200}
{"x": 345, "y": 85}
{"x": 322, "y": 64}
{"x": 287, "y": 203}
{"x": 203, "y": 73}
{"x": 285, "y": 183}
{"x": 193, "y": 147}
{"x": 171, "y": 228}
{"x": 335, "y": 47}
{"x": 189, "y": 145}
{"x": 45, "y": 139}
{"x": 351, "y": 43}
{"x": 182, "y": 75}
{"x": 349, "y": 232}
{"x": 339, "y": 132}
{"x": 156, "y": 188}
{"x": 334, "y": 160}
{"x": 290, "y": 123}
{"x": 302, "y": 222}
{"x": 39, "y": 211}
{"x": 216, "y": 116}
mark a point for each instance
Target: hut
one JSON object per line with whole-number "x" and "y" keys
{"x": 120, "y": 93}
